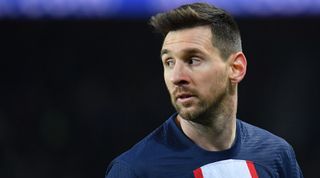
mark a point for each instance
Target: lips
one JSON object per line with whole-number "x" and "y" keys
{"x": 184, "y": 97}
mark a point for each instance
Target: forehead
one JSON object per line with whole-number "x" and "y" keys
{"x": 199, "y": 37}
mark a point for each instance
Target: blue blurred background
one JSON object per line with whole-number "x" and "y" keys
{"x": 81, "y": 80}
{"x": 144, "y": 8}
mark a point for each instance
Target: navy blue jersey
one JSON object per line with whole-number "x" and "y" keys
{"x": 168, "y": 153}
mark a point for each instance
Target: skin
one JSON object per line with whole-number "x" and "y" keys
{"x": 202, "y": 86}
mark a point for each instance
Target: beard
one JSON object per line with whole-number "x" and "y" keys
{"x": 203, "y": 108}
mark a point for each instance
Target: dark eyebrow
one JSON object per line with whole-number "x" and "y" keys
{"x": 163, "y": 52}
{"x": 187, "y": 51}
{"x": 192, "y": 51}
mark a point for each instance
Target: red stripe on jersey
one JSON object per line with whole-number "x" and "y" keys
{"x": 198, "y": 173}
{"x": 252, "y": 169}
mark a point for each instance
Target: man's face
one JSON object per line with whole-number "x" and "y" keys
{"x": 195, "y": 74}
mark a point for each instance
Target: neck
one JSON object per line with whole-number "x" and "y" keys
{"x": 219, "y": 133}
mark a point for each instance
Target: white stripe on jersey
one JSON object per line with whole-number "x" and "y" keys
{"x": 230, "y": 168}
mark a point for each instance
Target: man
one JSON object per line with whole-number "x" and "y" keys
{"x": 203, "y": 64}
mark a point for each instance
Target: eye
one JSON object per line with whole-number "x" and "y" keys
{"x": 194, "y": 61}
{"x": 169, "y": 62}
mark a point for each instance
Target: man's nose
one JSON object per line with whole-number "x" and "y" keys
{"x": 180, "y": 74}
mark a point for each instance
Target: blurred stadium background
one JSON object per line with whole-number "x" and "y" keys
{"x": 81, "y": 80}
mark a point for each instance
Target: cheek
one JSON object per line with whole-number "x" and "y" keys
{"x": 213, "y": 82}
{"x": 167, "y": 82}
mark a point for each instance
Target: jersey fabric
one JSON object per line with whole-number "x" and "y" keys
{"x": 168, "y": 153}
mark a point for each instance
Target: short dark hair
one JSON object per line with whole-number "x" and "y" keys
{"x": 225, "y": 31}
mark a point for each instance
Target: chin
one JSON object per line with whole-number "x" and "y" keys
{"x": 192, "y": 111}
{"x": 195, "y": 114}
{"x": 190, "y": 114}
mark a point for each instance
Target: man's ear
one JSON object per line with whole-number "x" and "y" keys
{"x": 238, "y": 67}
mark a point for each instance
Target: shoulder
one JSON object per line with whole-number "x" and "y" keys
{"x": 146, "y": 146}
{"x": 119, "y": 169}
{"x": 136, "y": 159}
{"x": 269, "y": 150}
{"x": 251, "y": 134}
{"x": 263, "y": 142}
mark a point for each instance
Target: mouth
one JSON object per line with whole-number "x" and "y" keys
{"x": 184, "y": 97}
